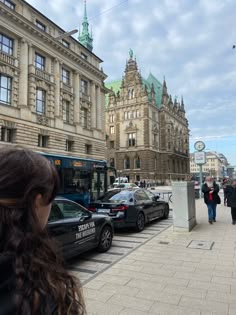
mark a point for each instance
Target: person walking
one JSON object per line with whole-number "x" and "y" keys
{"x": 210, "y": 190}
{"x": 33, "y": 279}
{"x": 230, "y": 192}
{"x": 224, "y": 186}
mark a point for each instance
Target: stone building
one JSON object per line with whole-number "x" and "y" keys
{"x": 147, "y": 134}
{"x": 51, "y": 86}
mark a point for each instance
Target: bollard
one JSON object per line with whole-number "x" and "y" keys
{"x": 184, "y": 208}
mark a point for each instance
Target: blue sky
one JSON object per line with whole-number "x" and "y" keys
{"x": 187, "y": 41}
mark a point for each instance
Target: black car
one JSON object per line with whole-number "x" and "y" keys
{"x": 77, "y": 229}
{"x": 132, "y": 207}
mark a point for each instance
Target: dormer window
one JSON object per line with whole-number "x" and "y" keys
{"x": 65, "y": 43}
{"x": 84, "y": 56}
{"x": 40, "y": 25}
{"x": 9, "y": 4}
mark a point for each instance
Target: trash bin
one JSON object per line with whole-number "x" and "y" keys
{"x": 197, "y": 193}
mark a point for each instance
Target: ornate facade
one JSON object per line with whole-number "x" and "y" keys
{"x": 147, "y": 134}
{"x": 51, "y": 86}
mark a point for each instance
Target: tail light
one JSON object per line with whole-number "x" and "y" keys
{"x": 90, "y": 208}
{"x": 120, "y": 208}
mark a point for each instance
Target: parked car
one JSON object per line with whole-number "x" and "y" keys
{"x": 132, "y": 207}
{"x": 124, "y": 185}
{"x": 77, "y": 229}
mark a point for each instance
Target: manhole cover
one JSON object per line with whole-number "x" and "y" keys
{"x": 201, "y": 245}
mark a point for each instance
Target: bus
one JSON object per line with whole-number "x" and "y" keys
{"x": 82, "y": 180}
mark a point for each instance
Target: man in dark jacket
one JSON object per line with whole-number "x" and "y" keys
{"x": 211, "y": 197}
{"x": 230, "y": 192}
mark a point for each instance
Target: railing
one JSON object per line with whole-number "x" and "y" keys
{"x": 66, "y": 87}
{"x": 40, "y": 73}
{"x": 85, "y": 96}
{"x": 8, "y": 59}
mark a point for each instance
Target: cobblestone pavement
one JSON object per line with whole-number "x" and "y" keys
{"x": 165, "y": 276}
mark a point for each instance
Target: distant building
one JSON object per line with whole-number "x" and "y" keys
{"x": 52, "y": 91}
{"x": 147, "y": 133}
{"x": 216, "y": 165}
{"x": 231, "y": 171}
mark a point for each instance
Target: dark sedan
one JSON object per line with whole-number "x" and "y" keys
{"x": 77, "y": 229}
{"x": 132, "y": 207}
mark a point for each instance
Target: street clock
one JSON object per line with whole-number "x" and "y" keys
{"x": 199, "y": 145}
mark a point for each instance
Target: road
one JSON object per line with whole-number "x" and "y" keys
{"x": 90, "y": 264}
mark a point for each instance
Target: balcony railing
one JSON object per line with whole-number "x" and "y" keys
{"x": 67, "y": 87}
{"x": 41, "y": 74}
{"x": 8, "y": 59}
{"x": 85, "y": 96}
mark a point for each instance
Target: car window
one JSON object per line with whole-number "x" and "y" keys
{"x": 70, "y": 210}
{"x": 150, "y": 194}
{"x": 55, "y": 213}
{"x": 122, "y": 195}
{"x": 140, "y": 195}
{"x": 108, "y": 195}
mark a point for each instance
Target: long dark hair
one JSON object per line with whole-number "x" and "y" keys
{"x": 42, "y": 282}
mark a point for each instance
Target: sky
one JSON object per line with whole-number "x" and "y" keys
{"x": 189, "y": 42}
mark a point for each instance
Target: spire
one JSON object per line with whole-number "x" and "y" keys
{"x": 85, "y": 38}
{"x": 164, "y": 93}
{"x": 182, "y": 104}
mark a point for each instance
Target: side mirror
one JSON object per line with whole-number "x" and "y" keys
{"x": 87, "y": 215}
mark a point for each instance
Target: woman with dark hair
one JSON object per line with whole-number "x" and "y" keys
{"x": 33, "y": 279}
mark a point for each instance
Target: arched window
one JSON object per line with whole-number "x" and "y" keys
{"x": 132, "y": 93}
{"x": 137, "y": 162}
{"x": 127, "y": 163}
{"x": 129, "y": 94}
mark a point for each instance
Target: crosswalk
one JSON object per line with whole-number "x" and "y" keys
{"x": 90, "y": 264}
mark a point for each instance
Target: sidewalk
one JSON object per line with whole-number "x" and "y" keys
{"x": 164, "y": 276}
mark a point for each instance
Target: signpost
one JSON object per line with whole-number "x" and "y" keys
{"x": 200, "y": 159}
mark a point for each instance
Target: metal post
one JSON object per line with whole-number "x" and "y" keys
{"x": 200, "y": 177}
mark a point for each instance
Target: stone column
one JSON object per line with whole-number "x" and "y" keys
{"x": 23, "y": 79}
{"x": 184, "y": 208}
{"x": 31, "y": 58}
{"x": 57, "y": 88}
{"x": 93, "y": 106}
{"x": 100, "y": 114}
{"x": 76, "y": 87}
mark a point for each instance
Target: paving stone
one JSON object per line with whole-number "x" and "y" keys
{"x": 204, "y": 305}
{"x": 98, "y": 308}
{"x": 97, "y": 295}
{"x": 166, "y": 309}
{"x": 131, "y": 302}
{"x": 116, "y": 288}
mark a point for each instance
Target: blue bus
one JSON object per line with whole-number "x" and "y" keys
{"x": 82, "y": 180}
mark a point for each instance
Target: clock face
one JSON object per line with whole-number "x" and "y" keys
{"x": 199, "y": 145}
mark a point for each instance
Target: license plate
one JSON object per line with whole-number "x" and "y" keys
{"x": 105, "y": 211}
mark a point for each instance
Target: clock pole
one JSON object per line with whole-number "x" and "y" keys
{"x": 200, "y": 159}
{"x": 200, "y": 177}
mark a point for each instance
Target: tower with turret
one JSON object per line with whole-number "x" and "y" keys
{"x": 86, "y": 38}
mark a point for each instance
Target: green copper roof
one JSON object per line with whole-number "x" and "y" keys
{"x": 85, "y": 38}
{"x": 115, "y": 85}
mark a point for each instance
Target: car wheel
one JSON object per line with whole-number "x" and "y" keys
{"x": 105, "y": 240}
{"x": 166, "y": 212}
{"x": 140, "y": 222}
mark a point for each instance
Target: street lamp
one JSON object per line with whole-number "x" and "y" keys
{"x": 66, "y": 34}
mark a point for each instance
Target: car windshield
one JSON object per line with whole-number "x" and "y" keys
{"x": 122, "y": 195}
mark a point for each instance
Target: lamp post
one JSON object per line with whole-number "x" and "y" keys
{"x": 66, "y": 34}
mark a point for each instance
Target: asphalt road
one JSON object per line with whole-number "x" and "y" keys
{"x": 92, "y": 263}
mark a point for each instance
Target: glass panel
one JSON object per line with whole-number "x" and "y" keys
{"x": 122, "y": 195}
{"x": 55, "y": 213}
{"x": 3, "y": 82}
{"x": 70, "y": 210}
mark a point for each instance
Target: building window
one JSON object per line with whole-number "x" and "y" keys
{"x": 112, "y": 118}
{"x": 40, "y": 25}
{"x": 8, "y": 3}
{"x": 7, "y": 134}
{"x": 131, "y": 139}
{"x": 84, "y": 86}
{"x": 84, "y": 117}
{"x": 126, "y": 115}
{"x": 69, "y": 145}
{"x": 5, "y": 89}
{"x": 39, "y": 62}
{"x": 112, "y": 129}
{"x": 65, "y": 76}
{"x": 137, "y": 163}
{"x": 6, "y": 44}
{"x": 129, "y": 115}
{"x": 137, "y": 113}
{"x": 43, "y": 141}
{"x": 40, "y": 101}
{"x": 127, "y": 163}
{"x": 84, "y": 56}
{"x": 66, "y": 111}
{"x": 112, "y": 144}
{"x": 65, "y": 43}
{"x": 134, "y": 114}
{"x": 88, "y": 149}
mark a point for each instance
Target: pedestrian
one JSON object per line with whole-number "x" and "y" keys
{"x": 33, "y": 279}
{"x": 230, "y": 192}
{"x": 225, "y": 183}
{"x": 211, "y": 197}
